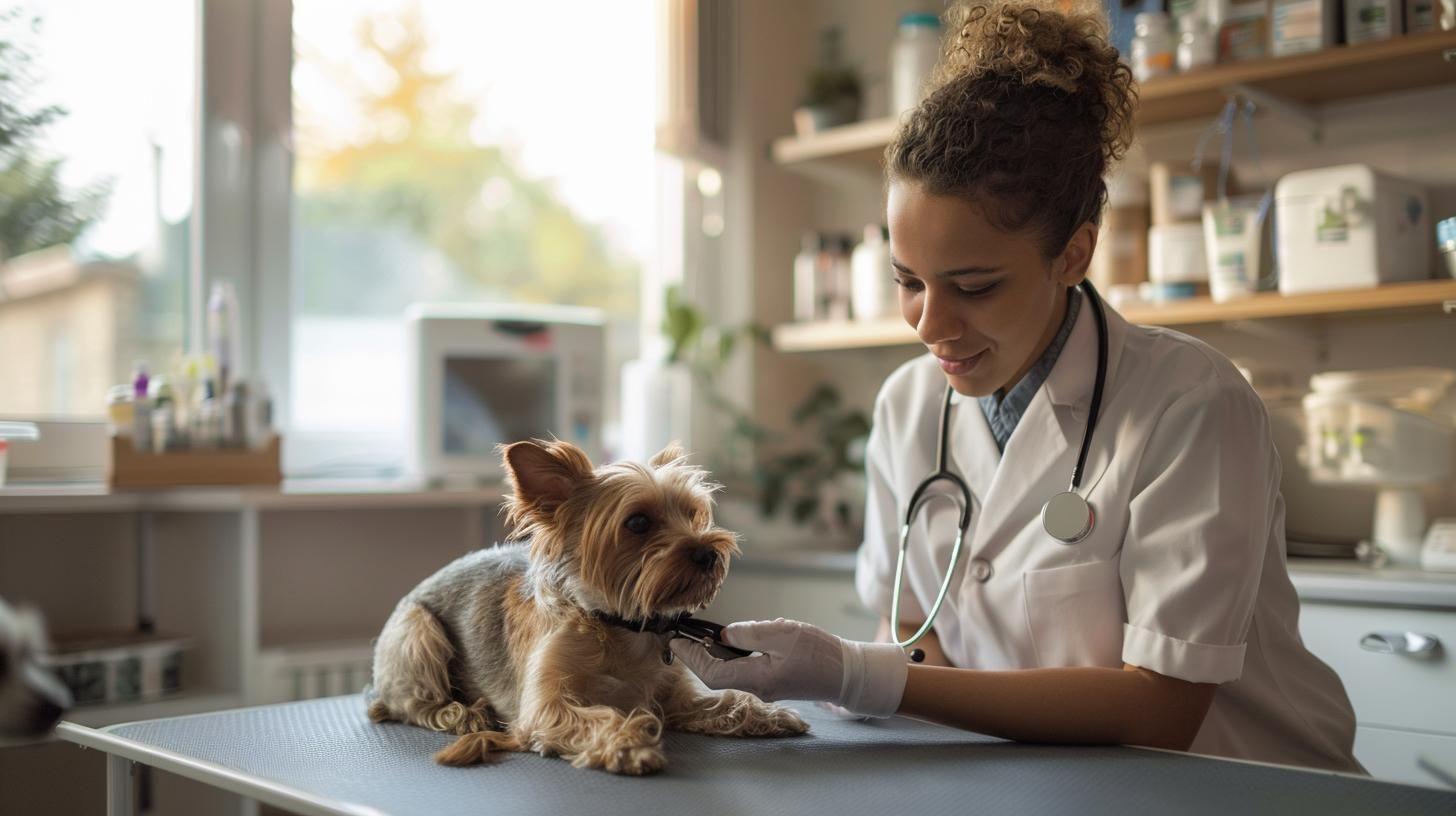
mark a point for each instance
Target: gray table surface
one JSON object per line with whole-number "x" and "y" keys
{"x": 330, "y": 749}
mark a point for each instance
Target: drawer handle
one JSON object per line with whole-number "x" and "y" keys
{"x": 1410, "y": 644}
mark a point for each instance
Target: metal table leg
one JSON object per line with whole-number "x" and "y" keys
{"x": 119, "y": 796}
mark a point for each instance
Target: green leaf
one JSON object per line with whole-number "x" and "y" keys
{"x": 824, "y": 398}
{"x": 805, "y": 507}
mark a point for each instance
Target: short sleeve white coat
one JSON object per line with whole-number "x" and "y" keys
{"x": 1184, "y": 572}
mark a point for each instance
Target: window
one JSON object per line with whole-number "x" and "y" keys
{"x": 487, "y": 151}
{"x": 96, "y": 184}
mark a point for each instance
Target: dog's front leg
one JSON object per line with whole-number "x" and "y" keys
{"x": 730, "y": 713}
{"x": 595, "y": 736}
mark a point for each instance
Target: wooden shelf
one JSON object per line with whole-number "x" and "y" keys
{"x": 1390, "y": 300}
{"x": 1344, "y": 72}
{"x": 861, "y": 142}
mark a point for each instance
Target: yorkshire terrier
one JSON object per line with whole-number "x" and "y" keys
{"x": 31, "y": 698}
{"x": 555, "y": 642}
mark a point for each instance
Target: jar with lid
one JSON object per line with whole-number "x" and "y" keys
{"x": 1197, "y": 47}
{"x": 1153, "y": 46}
{"x": 913, "y": 59}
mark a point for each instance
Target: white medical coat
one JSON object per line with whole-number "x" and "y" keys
{"x": 1184, "y": 572}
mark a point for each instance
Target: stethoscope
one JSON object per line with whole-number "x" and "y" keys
{"x": 1067, "y": 516}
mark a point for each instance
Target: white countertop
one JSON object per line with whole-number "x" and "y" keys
{"x": 293, "y": 494}
{"x": 1315, "y": 579}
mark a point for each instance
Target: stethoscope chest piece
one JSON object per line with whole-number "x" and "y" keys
{"x": 1068, "y": 517}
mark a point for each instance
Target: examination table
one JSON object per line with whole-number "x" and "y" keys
{"x": 325, "y": 757}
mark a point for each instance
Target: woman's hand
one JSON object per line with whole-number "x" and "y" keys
{"x": 797, "y": 661}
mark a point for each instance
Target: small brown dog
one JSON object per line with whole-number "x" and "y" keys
{"x": 521, "y": 647}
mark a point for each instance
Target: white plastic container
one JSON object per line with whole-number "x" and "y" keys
{"x": 1303, "y": 26}
{"x": 1241, "y": 28}
{"x": 1154, "y": 46}
{"x": 872, "y": 286}
{"x": 1197, "y": 47}
{"x": 1371, "y": 20}
{"x": 14, "y": 431}
{"x": 1177, "y": 254}
{"x": 1350, "y": 227}
{"x": 1232, "y": 234}
{"x": 912, "y": 60}
{"x": 1446, "y": 244}
{"x": 1429, "y": 15}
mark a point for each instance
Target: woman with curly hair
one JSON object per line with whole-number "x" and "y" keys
{"x": 1147, "y": 604}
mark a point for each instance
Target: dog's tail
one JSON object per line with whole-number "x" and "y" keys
{"x": 479, "y": 747}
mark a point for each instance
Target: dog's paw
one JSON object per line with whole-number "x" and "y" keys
{"x": 783, "y": 722}
{"x": 636, "y": 760}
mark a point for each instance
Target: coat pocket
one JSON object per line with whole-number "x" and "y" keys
{"x": 1075, "y": 614}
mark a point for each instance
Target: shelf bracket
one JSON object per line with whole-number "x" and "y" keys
{"x": 1304, "y": 116}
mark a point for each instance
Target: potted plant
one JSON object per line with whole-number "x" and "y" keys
{"x": 834, "y": 91}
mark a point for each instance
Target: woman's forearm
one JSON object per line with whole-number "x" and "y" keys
{"x": 1089, "y": 705}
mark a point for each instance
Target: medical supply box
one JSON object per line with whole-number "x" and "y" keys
{"x": 1350, "y": 227}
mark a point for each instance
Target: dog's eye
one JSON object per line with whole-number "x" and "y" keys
{"x": 638, "y": 523}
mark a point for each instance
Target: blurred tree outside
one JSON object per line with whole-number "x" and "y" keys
{"x": 36, "y": 210}
{"x": 402, "y": 204}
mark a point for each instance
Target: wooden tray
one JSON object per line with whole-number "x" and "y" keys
{"x": 131, "y": 468}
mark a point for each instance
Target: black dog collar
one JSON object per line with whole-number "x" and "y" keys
{"x": 657, "y": 624}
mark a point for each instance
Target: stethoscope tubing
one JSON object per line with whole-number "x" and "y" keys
{"x": 943, "y": 473}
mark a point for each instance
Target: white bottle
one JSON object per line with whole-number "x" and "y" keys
{"x": 912, "y": 60}
{"x": 871, "y": 294}
{"x": 1153, "y": 46}
{"x": 808, "y": 290}
{"x": 1196, "y": 45}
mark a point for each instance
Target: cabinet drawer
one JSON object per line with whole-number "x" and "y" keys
{"x": 1388, "y": 690}
{"x": 1395, "y": 756}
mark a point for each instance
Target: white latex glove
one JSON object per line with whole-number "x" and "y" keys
{"x": 804, "y": 662}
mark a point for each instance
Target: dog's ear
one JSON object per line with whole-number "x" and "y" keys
{"x": 544, "y": 474}
{"x": 668, "y": 455}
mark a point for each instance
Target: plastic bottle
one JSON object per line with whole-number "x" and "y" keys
{"x": 912, "y": 60}
{"x": 206, "y": 419}
{"x": 871, "y": 296}
{"x": 1153, "y": 46}
{"x": 1197, "y": 47}
{"x": 835, "y": 276}
{"x": 806, "y": 279}
{"x": 141, "y": 435}
{"x": 222, "y": 327}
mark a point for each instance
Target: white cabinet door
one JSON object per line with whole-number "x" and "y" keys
{"x": 1388, "y": 690}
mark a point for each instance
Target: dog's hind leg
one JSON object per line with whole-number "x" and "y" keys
{"x": 412, "y": 676}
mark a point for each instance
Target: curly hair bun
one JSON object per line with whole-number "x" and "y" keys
{"x": 1029, "y": 108}
{"x": 1060, "y": 45}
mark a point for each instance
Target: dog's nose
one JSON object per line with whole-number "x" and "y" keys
{"x": 703, "y": 558}
{"x": 42, "y": 716}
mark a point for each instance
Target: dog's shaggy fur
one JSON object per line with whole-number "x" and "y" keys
{"x": 502, "y": 647}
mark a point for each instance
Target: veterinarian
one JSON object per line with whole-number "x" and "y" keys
{"x": 1149, "y": 604}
